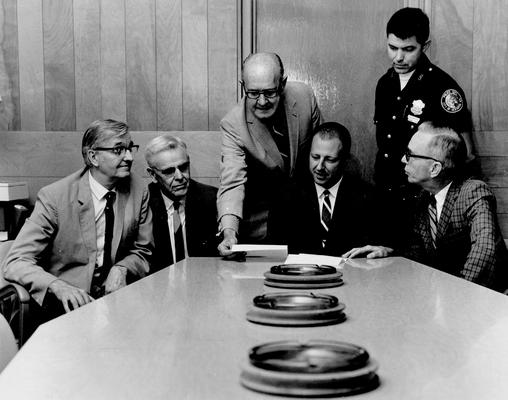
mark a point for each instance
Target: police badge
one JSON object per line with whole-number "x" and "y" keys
{"x": 451, "y": 101}
{"x": 417, "y": 107}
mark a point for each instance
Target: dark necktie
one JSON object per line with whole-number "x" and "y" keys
{"x": 433, "y": 219}
{"x": 178, "y": 233}
{"x": 101, "y": 272}
{"x": 326, "y": 214}
{"x": 108, "y": 232}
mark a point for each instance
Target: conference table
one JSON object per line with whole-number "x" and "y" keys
{"x": 182, "y": 333}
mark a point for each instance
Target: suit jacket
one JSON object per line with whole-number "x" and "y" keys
{"x": 251, "y": 166}
{"x": 200, "y": 223}
{"x": 59, "y": 238}
{"x": 468, "y": 240}
{"x": 296, "y": 219}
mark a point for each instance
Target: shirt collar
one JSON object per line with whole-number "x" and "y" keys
{"x": 169, "y": 203}
{"x": 441, "y": 195}
{"x": 98, "y": 191}
{"x": 333, "y": 190}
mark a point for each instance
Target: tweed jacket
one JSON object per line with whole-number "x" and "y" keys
{"x": 200, "y": 224}
{"x": 59, "y": 240}
{"x": 468, "y": 240}
{"x": 251, "y": 167}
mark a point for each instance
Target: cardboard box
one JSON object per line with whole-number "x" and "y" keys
{"x": 13, "y": 191}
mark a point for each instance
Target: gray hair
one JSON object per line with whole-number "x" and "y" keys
{"x": 446, "y": 145}
{"x": 99, "y": 131}
{"x": 163, "y": 143}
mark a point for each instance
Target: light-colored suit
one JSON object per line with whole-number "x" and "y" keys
{"x": 252, "y": 168}
{"x": 59, "y": 238}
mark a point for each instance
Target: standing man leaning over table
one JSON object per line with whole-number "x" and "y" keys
{"x": 265, "y": 140}
{"x": 90, "y": 232}
{"x": 184, "y": 211}
{"x": 454, "y": 224}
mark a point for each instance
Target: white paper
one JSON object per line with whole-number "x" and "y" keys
{"x": 262, "y": 250}
{"x": 303, "y": 258}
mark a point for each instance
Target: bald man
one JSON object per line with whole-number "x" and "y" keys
{"x": 265, "y": 140}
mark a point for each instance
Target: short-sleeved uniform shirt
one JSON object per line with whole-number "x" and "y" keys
{"x": 430, "y": 94}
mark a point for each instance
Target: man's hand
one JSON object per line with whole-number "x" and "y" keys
{"x": 370, "y": 251}
{"x": 117, "y": 278}
{"x": 69, "y": 294}
{"x": 229, "y": 239}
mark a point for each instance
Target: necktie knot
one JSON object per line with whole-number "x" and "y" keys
{"x": 176, "y": 205}
{"x": 110, "y": 198}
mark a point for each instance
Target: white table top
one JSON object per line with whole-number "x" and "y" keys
{"x": 182, "y": 334}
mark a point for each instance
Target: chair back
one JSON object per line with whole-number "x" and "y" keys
{"x": 14, "y": 301}
{"x": 8, "y": 347}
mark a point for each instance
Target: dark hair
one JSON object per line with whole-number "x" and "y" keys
{"x": 330, "y": 130}
{"x": 98, "y": 131}
{"x": 274, "y": 56}
{"x": 408, "y": 22}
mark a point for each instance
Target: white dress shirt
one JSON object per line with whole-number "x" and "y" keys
{"x": 440, "y": 199}
{"x": 99, "y": 204}
{"x": 333, "y": 195}
{"x": 170, "y": 210}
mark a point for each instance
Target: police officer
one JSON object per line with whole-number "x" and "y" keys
{"x": 412, "y": 91}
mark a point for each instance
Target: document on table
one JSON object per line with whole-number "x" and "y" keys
{"x": 262, "y": 250}
{"x": 319, "y": 259}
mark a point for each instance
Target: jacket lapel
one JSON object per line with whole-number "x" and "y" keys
{"x": 120, "y": 210}
{"x": 446, "y": 212}
{"x": 87, "y": 216}
{"x": 293, "y": 126}
{"x": 160, "y": 224}
{"x": 263, "y": 136}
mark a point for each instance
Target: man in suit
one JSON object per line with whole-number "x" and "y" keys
{"x": 455, "y": 227}
{"x": 178, "y": 201}
{"x": 331, "y": 211}
{"x": 265, "y": 140}
{"x": 89, "y": 232}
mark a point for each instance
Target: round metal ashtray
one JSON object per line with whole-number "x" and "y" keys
{"x": 315, "y": 368}
{"x": 303, "y": 276}
{"x": 296, "y": 309}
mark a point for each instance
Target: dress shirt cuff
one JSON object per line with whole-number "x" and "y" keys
{"x": 229, "y": 221}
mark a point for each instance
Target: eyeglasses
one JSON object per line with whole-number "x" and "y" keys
{"x": 170, "y": 172}
{"x": 267, "y": 93}
{"x": 119, "y": 151}
{"x": 408, "y": 155}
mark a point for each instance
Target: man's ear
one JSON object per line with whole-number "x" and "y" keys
{"x": 436, "y": 169}
{"x": 426, "y": 45}
{"x": 152, "y": 175}
{"x": 283, "y": 82}
{"x": 92, "y": 157}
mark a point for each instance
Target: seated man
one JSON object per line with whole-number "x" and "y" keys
{"x": 184, "y": 211}
{"x": 89, "y": 231}
{"x": 455, "y": 228}
{"x": 331, "y": 211}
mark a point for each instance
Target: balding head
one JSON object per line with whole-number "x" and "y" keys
{"x": 263, "y": 82}
{"x": 266, "y": 64}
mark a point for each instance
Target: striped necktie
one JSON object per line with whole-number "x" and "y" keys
{"x": 326, "y": 214}
{"x": 433, "y": 219}
{"x": 178, "y": 233}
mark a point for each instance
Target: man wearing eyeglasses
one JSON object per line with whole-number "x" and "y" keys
{"x": 454, "y": 225}
{"x": 184, "y": 211}
{"x": 265, "y": 140}
{"x": 90, "y": 232}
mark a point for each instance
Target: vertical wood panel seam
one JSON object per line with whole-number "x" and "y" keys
{"x": 43, "y": 65}
{"x": 125, "y": 60}
{"x": 208, "y": 64}
{"x": 181, "y": 62}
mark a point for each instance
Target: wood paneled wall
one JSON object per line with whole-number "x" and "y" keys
{"x": 173, "y": 64}
{"x": 157, "y": 64}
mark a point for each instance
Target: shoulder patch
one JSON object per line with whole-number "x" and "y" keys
{"x": 452, "y": 101}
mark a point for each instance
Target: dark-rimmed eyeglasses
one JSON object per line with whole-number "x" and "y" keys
{"x": 408, "y": 155}
{"x": 267, "y": 93}
{"x": 170, "y": 172}
{"x": 120, "y": 150}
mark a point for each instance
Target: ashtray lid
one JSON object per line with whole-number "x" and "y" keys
{"x": 297, "y": 301}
